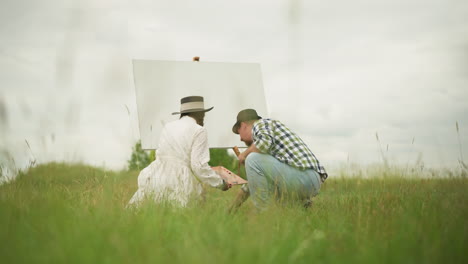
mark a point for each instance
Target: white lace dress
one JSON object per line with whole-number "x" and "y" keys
{"x": 180, "y": 167}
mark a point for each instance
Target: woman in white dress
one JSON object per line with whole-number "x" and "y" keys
{"x": 181, "y": 164}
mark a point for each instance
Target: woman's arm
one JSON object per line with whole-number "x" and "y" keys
{"x": 199, "y": 159}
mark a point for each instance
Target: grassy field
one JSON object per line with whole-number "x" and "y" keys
{"x": 59, "y": 213}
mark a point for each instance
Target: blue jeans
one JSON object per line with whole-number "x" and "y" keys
{"x": 270, "y": 178}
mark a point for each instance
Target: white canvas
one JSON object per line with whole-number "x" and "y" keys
{"x": 229, "y": 87}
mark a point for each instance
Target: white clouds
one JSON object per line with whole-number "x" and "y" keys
{"x": 335, "y": 71}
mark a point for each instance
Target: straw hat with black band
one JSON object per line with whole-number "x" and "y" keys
{"x": 191, "y": 104}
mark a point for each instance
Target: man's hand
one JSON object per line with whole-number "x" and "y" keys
{"x": 242, "y": 157}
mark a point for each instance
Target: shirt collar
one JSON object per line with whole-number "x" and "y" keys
{"x": 189, "y": 118}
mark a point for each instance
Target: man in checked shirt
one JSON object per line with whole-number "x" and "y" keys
{"x": 278, "y": 163}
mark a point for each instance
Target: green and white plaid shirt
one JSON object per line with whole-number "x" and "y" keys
{"x": 273, "y": 137}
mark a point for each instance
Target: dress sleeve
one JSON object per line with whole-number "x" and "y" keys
{"x": 199, "y": 159}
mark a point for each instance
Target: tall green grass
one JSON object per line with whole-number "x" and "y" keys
{"x": 59, "y": 213}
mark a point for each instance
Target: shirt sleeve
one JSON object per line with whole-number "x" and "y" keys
{"x": 262, "y": 136}
{"x": 200, "y": 157}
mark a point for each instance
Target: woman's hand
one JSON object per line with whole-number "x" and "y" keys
{"x": 226, "y": 186}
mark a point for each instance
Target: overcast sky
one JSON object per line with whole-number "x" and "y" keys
{"x": 336, "y": 72}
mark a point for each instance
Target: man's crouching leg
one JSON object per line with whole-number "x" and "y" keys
{"x": 258, "y": 168}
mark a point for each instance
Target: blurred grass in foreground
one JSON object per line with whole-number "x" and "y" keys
{"x": 59, "y": 213}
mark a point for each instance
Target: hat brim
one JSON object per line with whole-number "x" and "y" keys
{"x": 193, "y": 111}
{"x": 235, "y": 128}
